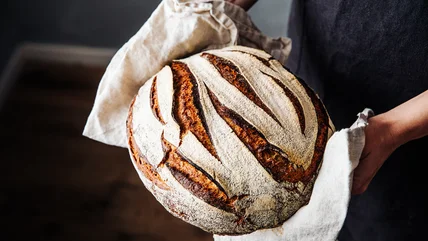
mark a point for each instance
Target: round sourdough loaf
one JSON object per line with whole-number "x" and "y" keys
{"x": 228, "y": 140}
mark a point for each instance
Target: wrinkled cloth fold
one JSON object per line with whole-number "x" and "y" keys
{"x": 176, "y": 29}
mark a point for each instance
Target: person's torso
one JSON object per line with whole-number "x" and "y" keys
{"x": 374, "y": 54}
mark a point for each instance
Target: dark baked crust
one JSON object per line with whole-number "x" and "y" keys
{"x": 270, "y": 157}
{"x": 154, "y": 101}
{"x": 187, "y": 109}
{"x": 194, "y": 179}
{"x": 296, "y": 103}
{"x": 232, "y": 74}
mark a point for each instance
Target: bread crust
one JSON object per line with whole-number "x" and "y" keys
{"x": 228, "y": 173}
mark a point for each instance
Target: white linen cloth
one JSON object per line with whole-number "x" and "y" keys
{"x": 176, "y": 29}
{"x": 179, "y": 28}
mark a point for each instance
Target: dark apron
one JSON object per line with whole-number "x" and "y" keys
{"x": 374, "y": 54}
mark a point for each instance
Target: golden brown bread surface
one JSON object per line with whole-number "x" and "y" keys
{"x": 187, "y": 107}
{"x": 227, "y": 171}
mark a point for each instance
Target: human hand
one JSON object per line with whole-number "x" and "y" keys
{"x": 386, "y": 132}
{"x": 245, "y": 4}
{"x": 379, "y": 145}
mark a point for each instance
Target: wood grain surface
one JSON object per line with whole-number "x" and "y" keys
{"x": 56, "y": 184}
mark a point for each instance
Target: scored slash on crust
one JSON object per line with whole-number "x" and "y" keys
{"x": 187, "y": 109}
{"x": 140, "y": 160}
{"x": 232, "y": 74}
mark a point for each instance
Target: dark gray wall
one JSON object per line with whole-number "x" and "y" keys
{"x": 100, "y": 23}
{"x": 271, "y": 16}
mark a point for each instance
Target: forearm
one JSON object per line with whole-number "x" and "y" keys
{"x": 408, "y": 121}
{"x": 245, "y": 4}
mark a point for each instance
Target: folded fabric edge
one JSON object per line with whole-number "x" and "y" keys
{"x": 111, "y": 139}
{"x": 96, "y": 128}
